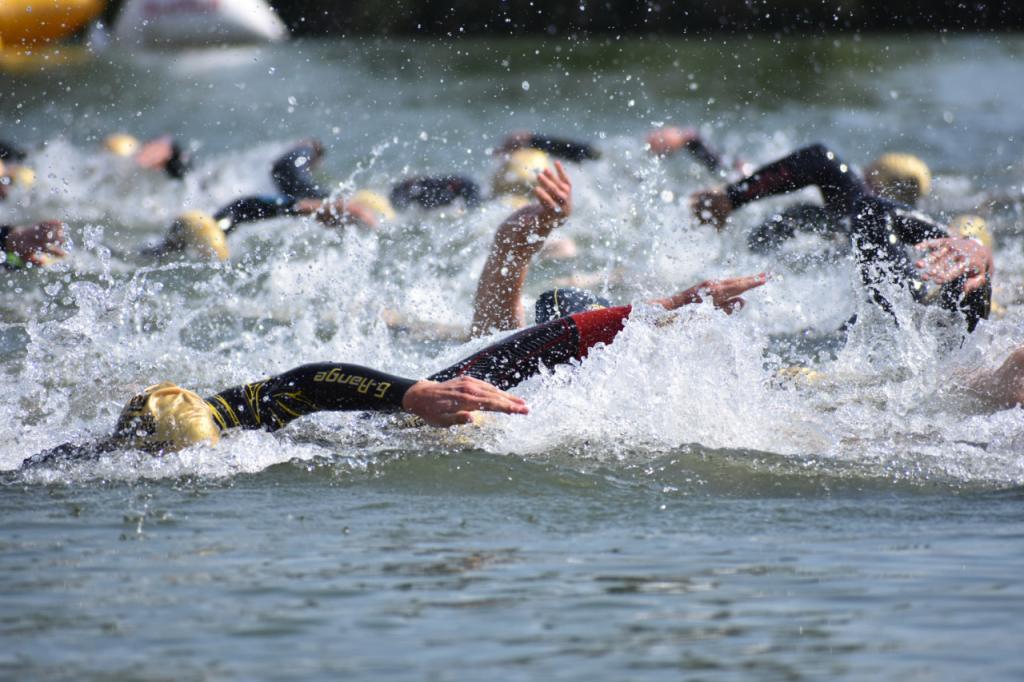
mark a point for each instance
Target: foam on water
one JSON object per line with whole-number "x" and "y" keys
{"x": 80, "y": 338}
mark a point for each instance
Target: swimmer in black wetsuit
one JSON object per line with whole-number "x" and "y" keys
{"x": 558, "y": 147}
{"x": 435, "y": 192}
{"x": 880, "y": 230}
{"x": 443, "y": 190}
{"x": 166, "y": 418}
{"x": 298, "y": 194}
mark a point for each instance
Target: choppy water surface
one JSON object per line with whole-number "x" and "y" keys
{"x": 666, "y": 510}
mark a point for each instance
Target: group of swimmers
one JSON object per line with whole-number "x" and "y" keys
{"x": 873, "y": 212}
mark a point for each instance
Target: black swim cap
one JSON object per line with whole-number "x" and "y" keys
{"x": 564, "y": 301}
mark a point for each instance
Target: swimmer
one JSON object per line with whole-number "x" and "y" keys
{"x": 668, "y": 140}
{"x": 435, "y": 192}
{"x": 521, "y": 236}
{"x": 558, "y": 147}
{"x": 160, "y": 153}
{"x": 513, "y": 182}
{"x": 165, "y": 418}
{"x": 300, "y": 194}
{"x": 36, "y": 245}
{"x": 880, "y": 229}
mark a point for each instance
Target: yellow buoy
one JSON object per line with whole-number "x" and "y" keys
{"x": 25, "y": 22}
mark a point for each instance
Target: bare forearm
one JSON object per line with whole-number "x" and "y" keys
{"x": 498, "y": 304}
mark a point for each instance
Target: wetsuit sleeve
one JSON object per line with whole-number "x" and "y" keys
{"x": 180, "y": 162}
{"x": 707, "y": 157}
{"x": 9, "y": 152}
{"x": 570, "y": 150}
{"x": 912, "y": 227}
{"x": 815, "y": 165}
{"x": 333, "y": 387}
{"x": 520, "y": 356}
{"x": 293, "y": 174}
{"x": 252, "y": 209}
{"x": 434, "y": 192}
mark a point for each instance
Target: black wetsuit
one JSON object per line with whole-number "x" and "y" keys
{"x": 292, "y": 173}
{"x": 274, "y": 402}
{"x": 562, "y": 148}
{"x": 180, "y": 162}
{"x": 9, "y": 152}
{"x": 880, "y": 229}
{"x": 434, "y": 192}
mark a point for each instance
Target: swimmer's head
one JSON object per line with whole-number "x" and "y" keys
{"x": 121, "y": 144}
{"x": 902, "y": 177}
{"x": 518, "y": 175}
{"x": 375, "y": 203}
{"x": 22, "y": 175}
{"x": 165, "y": 417}
{"x": 565, "y": 301}
{"x": 199, "y": 231}
{"x": 971, "y": 227}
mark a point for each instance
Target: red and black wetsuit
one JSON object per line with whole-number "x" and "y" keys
{"x": 881, "y": 229}
{"x": 273, "y": 402}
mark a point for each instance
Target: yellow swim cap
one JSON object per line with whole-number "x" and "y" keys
{"x": 166, "y": 417}
{"x": 902, "y": 177}
{"x": 518, "y": 174}
{"x": 121, "y": 144}
{"x": 200, "y": 231}
{"x": 22, "y": 175}
{"x": 377, "y": 203}
{"x": 971, "y": 227}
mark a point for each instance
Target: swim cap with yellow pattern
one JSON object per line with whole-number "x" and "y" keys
{"x": 971, "y": 227}
{"x": 518, "y": 175}
{"x": 121, "y": 144}
{"x": 199, "y": 231}
{"x": 375, "y": 202}
{"x": 166, "y": 417}
{"x": 902, "y": 177}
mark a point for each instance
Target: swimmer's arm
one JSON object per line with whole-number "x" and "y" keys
{"x": 563, "y": 148}
{"x": 814, "y": 165}
{"x": 251, "y": 209}
{"x": 671, "y": 139}
{"x": 293, "y": 172}
{"x": 724, "y": 293}
{"x": 334, "y": 387}
{"x": 498, "y": 304}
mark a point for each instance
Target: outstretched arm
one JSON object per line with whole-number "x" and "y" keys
{"x": 272, "y": 403}
{"x": 671, "y": 139}
{"x": 814, "y": 165}
{"x": 499, "y": 304}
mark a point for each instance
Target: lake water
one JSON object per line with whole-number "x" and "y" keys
{"x": 668, "y": 510}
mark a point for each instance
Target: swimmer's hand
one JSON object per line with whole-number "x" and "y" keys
{"x": 554, "y": 192}
{"x": 724, "y": 293}
{"x": 711, "y": 207}
{"x": 453, "y": 402}
{"x": 36, "y": 243}
{"x": 670, "y": 139}
{"x": 950, "y": 258}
